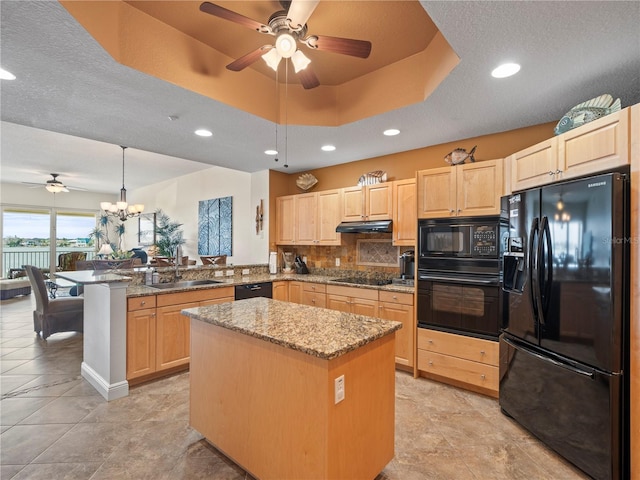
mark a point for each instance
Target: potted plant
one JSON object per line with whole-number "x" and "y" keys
{"x": 169, "y": 235}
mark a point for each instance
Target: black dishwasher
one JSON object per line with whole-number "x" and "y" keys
{"x": 253, "y": 290}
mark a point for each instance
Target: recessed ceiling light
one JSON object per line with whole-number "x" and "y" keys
{"x": 271, "y": 152}
{"x": 203, "y": 133}
{"x": 6, "y": 75}
{"x": 328, "y": 148}
{"x": 391, "y": 132}
{"x": 505, "y": 70}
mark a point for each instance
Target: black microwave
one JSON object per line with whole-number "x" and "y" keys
{"x": 472, "y": 238}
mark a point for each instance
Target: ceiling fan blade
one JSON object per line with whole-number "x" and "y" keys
{"x": 345, "y": 46}
{"x": 221, "y": 12}
{"x": 308, "y": 78}
{"x": 300, "y": 11}
{"x": 246, "y": 60}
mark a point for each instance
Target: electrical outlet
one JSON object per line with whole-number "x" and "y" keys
{"x": 245, "y": 271}
{"x": 337, "y": 262}
{"x": 218, "y": 273}
{"x": 304, "y": 259}
{"x": 229, "y": 273}
{"x": 339, "y": 389}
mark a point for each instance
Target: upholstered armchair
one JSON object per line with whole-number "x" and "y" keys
{"x": 63, "y": 314}
{"x": 67, "y": 261}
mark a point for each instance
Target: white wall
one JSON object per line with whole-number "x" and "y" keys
{"x": 179, "y": 199}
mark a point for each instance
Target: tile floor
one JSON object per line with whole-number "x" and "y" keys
{"x": 55, "y": 425}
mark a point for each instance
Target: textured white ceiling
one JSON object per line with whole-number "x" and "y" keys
{"x": 569, "y": 51}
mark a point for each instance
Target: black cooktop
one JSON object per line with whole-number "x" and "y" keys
{"x": 362, "y": 281}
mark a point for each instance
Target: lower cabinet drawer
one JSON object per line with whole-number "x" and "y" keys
{"x": 461, "y": 346}
{"x": 466, "y": 371}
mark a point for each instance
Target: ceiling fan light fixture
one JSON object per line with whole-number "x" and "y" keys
{"x": 285, "y": 45}
{"x": 300, "y": 61}
{"x": 272, "y": 58}
{"x": 56, "y": 188}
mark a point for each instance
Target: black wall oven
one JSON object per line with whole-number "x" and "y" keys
{"x": 459, "y": 269}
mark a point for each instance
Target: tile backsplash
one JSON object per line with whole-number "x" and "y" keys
{"x": 376, "y": 253}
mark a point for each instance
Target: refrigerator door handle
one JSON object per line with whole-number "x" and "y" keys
{"x": 566, "y": 366}
{"x": 544, "y": 280}
{"x": 532, "y": 265}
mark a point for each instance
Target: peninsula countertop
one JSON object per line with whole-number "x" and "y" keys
{"x": 320, "y": 332}
{"x": 86, "y": 277}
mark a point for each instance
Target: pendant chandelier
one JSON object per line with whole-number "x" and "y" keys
{"x": 122, "y": 209}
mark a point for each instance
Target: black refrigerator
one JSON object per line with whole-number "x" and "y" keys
{"x": 564, "y": 351}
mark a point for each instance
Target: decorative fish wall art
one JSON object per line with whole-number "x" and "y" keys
{"x": 587, "y": 112}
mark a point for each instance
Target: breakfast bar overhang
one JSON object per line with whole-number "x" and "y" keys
{"x": 265, "y": 388}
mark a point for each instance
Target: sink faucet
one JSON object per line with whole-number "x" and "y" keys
{"x": 178, "y": 261}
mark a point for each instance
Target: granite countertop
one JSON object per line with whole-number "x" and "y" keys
{"x": 142, "y": 290}
{"x": 319, "y": 332}
{"x": 86, "y": 277}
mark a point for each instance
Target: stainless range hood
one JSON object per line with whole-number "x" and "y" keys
{"x": 380, "y": 226}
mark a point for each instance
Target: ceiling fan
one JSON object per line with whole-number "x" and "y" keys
{"x": 54, "y": 185}
{"x": 289, "y": 26}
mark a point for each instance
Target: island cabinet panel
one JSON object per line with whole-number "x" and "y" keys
{"x": 172, "y": 336}
{"x": 399, "y": 307}
{"x": 272, "y": 409}
{"x": 405, "y": 216}
{"x": 141, "y": 342}
{"x": 460, "y": 360}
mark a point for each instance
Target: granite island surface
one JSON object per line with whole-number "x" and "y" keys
{"x": 293, "y": 391}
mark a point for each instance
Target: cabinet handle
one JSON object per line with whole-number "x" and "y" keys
{"x": 313, "y": 300}
{"x": 451, "y": 211}
{"x": 459, "y": 210}
{"x": 430, "y": 341}
{"x": 142, "y": 303}
{"x": 395, "y": 297}
{"x": 430, "y": 363}
{"x": 558, "y": 172}
{"x": 552, "y": 172}
{"x": 153, "y": 314}
{"x": 481, "y": 352}
{"x": 482, "y": 376}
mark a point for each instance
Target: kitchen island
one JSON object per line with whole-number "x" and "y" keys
{"x": 266, "y": 381}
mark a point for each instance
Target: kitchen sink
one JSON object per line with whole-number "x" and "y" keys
{"x": 184, "y": 284}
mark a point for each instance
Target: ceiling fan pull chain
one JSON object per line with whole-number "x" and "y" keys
{"x": 286, "y": 115}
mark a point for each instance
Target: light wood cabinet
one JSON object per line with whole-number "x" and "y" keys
{"x": 360, "y": 301}
{"x": 295, "y": 292}
{"x": 399, "y": 308}
{"x": 405, "y": 217}
{"x": 309, "y": 218}
{"x": 280, "y": 291}
{"x": 459, "y": 360}
{"x": 597, "y": 146}
{"x": 158, "y": 335}
{"x": 285, "y": 220}
{"x": 313, "y": 294}
{"x": 369, "y": 202}
{"x": 462, "y": 190}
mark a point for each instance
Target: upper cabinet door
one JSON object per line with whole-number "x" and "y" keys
{"x": 352, "y": 204}
{"x": 599, "y": 145}
{"x": 535, "y": 165}
{"x": 404, "y": 216}
{"x": 329, "y": 214}
{"x": 285, "y": 220}
{"x": 306, "y": 218}
{"x": 378, "y": 201}
{"x": 479, "y": 188}
{"x": 437, "y": 192}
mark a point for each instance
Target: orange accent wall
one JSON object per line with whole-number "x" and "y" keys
{"x": 405, "y": 164}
